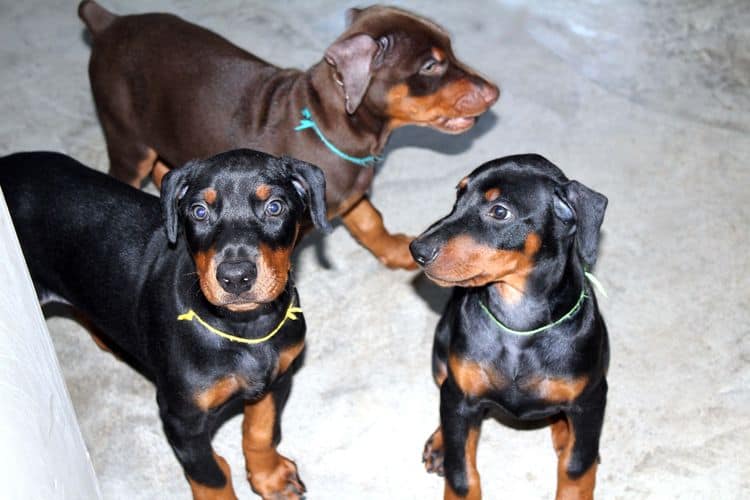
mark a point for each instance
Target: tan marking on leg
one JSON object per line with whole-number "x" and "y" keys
{"x": 219, "y": 392}
{"x": 157, "y": 174}
{"x": 144, "y": 167}
{"x": 441, "y": 374}
{"x": 472, "y": 474}
{"x": 269, "y": 472}
{"x": 202, "y": 492}
{"x": 581, "y": 488}
{"x": 474, "y": 379}
{"x": 365, "y": 223}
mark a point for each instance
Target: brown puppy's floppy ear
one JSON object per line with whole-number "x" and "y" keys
{"x": 174, "y": 185}
{"x": 310, "y": 184}
{"x": 583, "y": 208}
{"x": 352, "y": 58}
{"x": 351, "y": 15}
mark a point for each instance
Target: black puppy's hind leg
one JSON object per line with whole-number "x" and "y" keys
{"x": 188, "y": 434}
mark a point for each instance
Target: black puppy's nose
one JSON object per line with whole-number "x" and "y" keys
{"x": 422, "y": 253}
{"x": 236, "y": 277}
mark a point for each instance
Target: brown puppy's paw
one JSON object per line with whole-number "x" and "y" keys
{"x": 279, "y": 483}
{"x": 395, "y": 252}
{"x": 434, "y": 453}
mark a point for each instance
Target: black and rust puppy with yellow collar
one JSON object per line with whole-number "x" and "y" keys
{"x": 522, "y": 330}
{"x": 210, "y": 318}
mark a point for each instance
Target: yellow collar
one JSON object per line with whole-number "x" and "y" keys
{"x": 291, "y": 313}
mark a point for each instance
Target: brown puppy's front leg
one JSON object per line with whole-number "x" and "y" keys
{"x": 271, "y": 475}
{"x": 365, "y": 223}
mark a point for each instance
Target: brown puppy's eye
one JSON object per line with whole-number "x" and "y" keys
{"x": 274, "y": 208}
{"x": 500, "y": 212}
{"x": 431, "y": 67}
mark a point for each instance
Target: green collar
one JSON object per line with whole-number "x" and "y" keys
{"x": 576, "y": 307}
{"x": 308, "y": 122}
{"x": 291, "y": 314}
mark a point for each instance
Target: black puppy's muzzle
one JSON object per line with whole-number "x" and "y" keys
{"x": 423, "y": 251}
{"x": 236, "y": 276}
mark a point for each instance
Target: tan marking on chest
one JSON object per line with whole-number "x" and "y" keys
{"x": 473, "y": 378}
{"x": 219, "y": 392}
{"x": 557, "y": 390}
{"x": 288, "y": 355}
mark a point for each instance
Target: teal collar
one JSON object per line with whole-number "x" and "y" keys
{"x": 576, "y": 307}
{"x": 308, "y": 122}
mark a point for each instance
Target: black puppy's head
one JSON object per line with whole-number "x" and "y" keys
{"x": 241, "y": 213}
{"x": 512, "y": 216}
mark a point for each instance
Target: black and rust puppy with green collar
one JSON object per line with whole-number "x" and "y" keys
{"x": 522, "y": 331}
{"x": 211, "y": 317}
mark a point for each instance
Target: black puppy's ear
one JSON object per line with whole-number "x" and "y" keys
{"x": 583, "y": 208}
{"x": 174, "y": 185}
{"x": 353, "y": 58}
{"x": 310, "y": 184}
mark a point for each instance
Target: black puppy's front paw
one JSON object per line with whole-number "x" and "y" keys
{"x": 433, "y": 454}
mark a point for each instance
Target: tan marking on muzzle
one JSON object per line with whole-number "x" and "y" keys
{"x": 463, "y": 261}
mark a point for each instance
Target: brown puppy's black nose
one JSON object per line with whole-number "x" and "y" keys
{"x": 422, "y": 253}
{"x": 236, "y": 277}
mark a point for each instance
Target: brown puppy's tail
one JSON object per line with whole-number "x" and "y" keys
{"x": 96, "y": 17}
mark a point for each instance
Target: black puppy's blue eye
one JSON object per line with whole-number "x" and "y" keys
{"x": 500, "y": 212}
{"x": 274, "y": 208}
{"x": 199, "y": 212}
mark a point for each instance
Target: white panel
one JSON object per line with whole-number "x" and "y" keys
{"x": 42, "y": 453}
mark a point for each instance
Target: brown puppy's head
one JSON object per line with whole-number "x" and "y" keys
{"x": 515, "y": 218}
{"x": 241, "y": 212}
{"x": 401, "y": 67}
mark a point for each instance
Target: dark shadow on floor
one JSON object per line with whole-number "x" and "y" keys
{"x": 434, "y": 296}
{"x": 428, "y": 138}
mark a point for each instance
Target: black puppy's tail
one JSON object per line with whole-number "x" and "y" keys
{"x": 95, "y": 17}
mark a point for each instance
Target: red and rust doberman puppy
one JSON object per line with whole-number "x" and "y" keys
{"x": 168, "y": 91}
{"x": 522, "y": 332}
{"x": 211, "y": 317}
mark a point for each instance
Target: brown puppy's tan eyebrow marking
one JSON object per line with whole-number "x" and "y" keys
{"x": 463, "y": 183}
{"x": 438, "y": 54}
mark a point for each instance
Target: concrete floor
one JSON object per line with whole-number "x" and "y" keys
{"x": 643, "y": 101}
